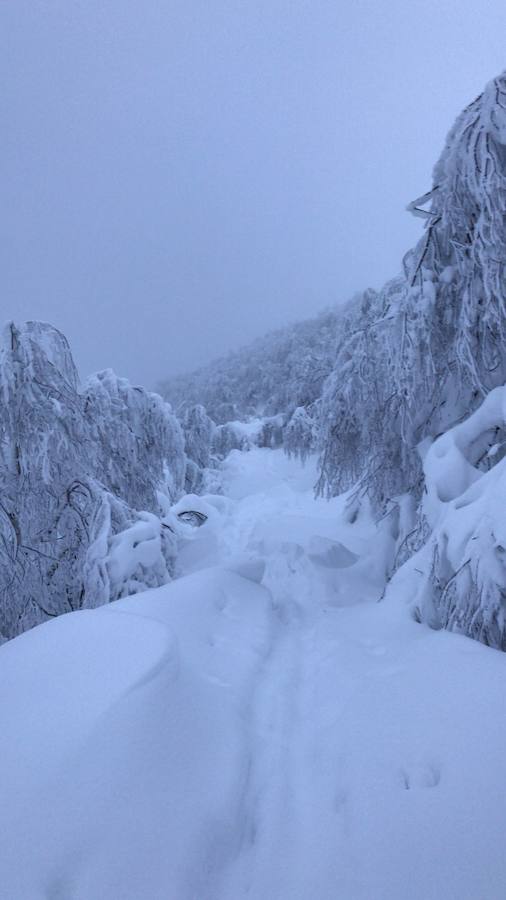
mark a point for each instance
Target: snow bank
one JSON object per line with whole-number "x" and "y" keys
{"x": 123, "y": 739}
{"x": 458, "y": 579}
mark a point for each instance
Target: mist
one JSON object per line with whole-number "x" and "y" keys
{"x": 179, "y": 177}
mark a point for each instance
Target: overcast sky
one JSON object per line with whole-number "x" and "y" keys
{"x": 179, "y": 176}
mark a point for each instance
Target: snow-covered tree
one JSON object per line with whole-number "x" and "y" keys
{"x": 359, "y": 430}
{"x": 271, "y": 376}
{"x": 431, "y": 344}
{"x": 75, "y": 466}
{"x": 271, "y": 433}
{"x": 299, "y": 434}
{"x": 226, "y": 438}
{"x": 199, "y": 432}
{"x": 383, "y": 377}
{"x": 457, "y": 580}
{"x": 137, "y": 437}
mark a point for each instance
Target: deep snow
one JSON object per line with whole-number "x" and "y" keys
{"x": 261, "y": 727}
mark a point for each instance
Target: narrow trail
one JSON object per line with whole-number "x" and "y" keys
{"x": 351, "y": 714}
{"x": 266, "y": 522}
{"x": 261, "y": 728}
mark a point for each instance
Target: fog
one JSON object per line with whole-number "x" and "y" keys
{"x": 178, "y": 177}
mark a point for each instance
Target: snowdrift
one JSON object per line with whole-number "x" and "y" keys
{"x": 124, "y": 742}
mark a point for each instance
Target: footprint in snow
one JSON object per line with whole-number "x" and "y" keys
{"x": 420, "y": 776}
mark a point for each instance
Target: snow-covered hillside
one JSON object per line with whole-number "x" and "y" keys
{"x": 274, "y": 374}
{"x": 261, "y": 727}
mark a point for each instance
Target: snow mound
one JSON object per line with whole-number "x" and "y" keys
{"x": 458, "y": 579}
{"x": 123, "y": 739}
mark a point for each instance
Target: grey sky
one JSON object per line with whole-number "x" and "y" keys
{"x": 180, "y": 176}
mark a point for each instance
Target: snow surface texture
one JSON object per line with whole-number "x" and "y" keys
{"x": 259, "y": 728}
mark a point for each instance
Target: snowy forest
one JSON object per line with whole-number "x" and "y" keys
{"x": 399, "y": 393}
{"x": 358, "y": 454}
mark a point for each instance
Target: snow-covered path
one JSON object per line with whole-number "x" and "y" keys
{"x": 376, "y": 743}
{"x": 261, "y": 728}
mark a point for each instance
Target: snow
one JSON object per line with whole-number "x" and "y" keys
{"x": 250, "y": 429}
{"x": 137, "y": 546}
{"x": 261, "y": 727}
{"x": 448, "y": 465}
{"x": 458, "y": 578}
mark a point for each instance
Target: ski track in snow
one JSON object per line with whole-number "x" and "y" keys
{"x": 261, "y": 728}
